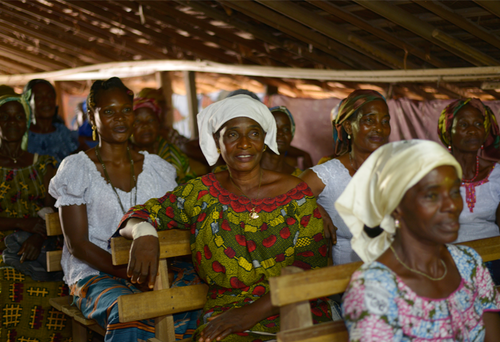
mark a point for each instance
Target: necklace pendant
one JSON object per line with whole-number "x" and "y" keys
{"x": 253, "y": 214}
{"x": 15, "y": 161}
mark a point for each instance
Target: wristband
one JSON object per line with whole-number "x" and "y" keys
{"x": 43, "y": 211}
{"x": 143, "y": 229}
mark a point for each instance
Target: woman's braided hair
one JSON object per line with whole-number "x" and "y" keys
{"x": 97, "y": 86}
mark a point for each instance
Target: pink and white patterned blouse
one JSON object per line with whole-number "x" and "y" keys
{"x": 379, "y": 306}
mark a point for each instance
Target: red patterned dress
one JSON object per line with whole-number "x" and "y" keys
{"x": 236, "y": 255}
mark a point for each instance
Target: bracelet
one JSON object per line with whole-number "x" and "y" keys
{"x": 143, "y": 229}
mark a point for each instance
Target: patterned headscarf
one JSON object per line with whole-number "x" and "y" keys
{"x": 491, "y": 128}
{"x": 140, "y": 102}
{"x": 285, "y": 110}
{"x": 150, "y": 93}
{"x": 23, "y": 100}
{"x": 347, "y": 108}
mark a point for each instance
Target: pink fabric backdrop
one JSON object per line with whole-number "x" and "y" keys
{"x": 409, "y": 120}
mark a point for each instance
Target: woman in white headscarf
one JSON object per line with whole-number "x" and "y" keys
{"x": 414, "y": 285}
{"x": 247, "y": 223}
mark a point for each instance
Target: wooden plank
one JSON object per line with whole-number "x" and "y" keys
{"x": 297, "y": 315}
{"x": 64, "y": 304}
{"x": 54, "y": 261}
{"x": 53, "y": 224}
{"x": 164, "y": 325}
{"x": 160, "y": 303}
{"x": 165, "y": 83}
{"x": 488, "y": 249}
{"x": 175, "y": 242}
{"x": 294, "y": 288}
{"x": 335, "y": 331}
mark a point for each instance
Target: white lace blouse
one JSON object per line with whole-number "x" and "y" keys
{"x": 336, "y": 177}
{"x": 480, "y": 223}
{"x": 79, "y": 182}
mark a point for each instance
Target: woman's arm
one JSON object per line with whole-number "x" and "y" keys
{"x": 238, "y": 320}
{"x": 75, "y": 228}
{"x": 315, "y": 183}
{"x": 492, "y": 326}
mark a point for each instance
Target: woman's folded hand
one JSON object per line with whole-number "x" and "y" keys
{"x": 143, "y": 261}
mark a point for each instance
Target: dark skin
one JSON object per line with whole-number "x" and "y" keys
{"x": 369, "y": 130}
{"x": 44, "y": 98}
{"x": 12, "y": 129}
{"x": 146, "y": 130}
{"x": 241, "y": 141}
{"x": 467, "y": 136}
{"x": 429, "y": 218}
{"x": 114, "y": 118}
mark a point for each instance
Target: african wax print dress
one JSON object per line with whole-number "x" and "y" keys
{"x": 379, "y": 306}
{"x": 297, "y": 172}
{"x": 236, "y": 255}
{"x": 24, "y": 302}
{"x": 177, "y": 158}
{"x": 58, "y": 144}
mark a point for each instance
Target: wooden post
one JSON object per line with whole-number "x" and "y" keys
{"x": 190, "y": 84}
{"x": 165, "y": 83}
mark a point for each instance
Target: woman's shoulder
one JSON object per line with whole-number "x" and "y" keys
{"x": 465, "y": 257}
{"x": 153, "y": 161}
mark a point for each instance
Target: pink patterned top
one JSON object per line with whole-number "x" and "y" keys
{"x": 379, "y": 306}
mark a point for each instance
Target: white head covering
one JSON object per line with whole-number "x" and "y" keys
{"x": 211, "y": 119}
{"x": 379, "y": 185}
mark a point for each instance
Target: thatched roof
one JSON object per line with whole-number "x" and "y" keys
{"x": 39, "y": 36}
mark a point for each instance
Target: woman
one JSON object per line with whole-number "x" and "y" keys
{"x": 414, "y": 285}
{"x": 24, "y": 178}
{"x": 361, "y": 126}
{"x": 47, "y": 134}
{"x": 93, "y": 190}
{"x": 247, "y": 223}
{"x": 146, "y": 137}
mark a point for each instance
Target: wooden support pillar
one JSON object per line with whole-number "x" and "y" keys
{"x": 190, "y": 84}
{"x": 59, "y": 99}
{"x": 165, "y": 83}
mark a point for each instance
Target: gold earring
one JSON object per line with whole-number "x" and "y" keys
{"x": 94, "y": 128}
{"x": 396, "y": 223}
{"x": 218, "y": 150}
{"x": 265, "y": 148}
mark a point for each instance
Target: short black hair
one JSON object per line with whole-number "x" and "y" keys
{"x": 97, "y": 86}
{"x": 31, "y": 84}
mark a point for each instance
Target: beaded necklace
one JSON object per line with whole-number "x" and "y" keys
{"x": 133, "y": 179}
{"x": 470, "y": 190}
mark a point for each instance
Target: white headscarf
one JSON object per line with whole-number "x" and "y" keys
{"x": 211, "y": 119}
{"x": 379, "y": 185}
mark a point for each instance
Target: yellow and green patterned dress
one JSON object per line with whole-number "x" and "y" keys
{"x": 297, "y": 172}
{"x": 236, "y": 255}
{"x": 177, "y": 158}
{"x": 26, "y": 314}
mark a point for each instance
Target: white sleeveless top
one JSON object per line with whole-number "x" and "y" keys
{"x": 79, "y": 182}
{"x": 336, "y": 177}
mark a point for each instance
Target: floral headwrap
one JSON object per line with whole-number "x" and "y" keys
{"x": 150, "y": 93}
{"x": 140, "y": 102}
{"x": 348, "y": 107}
{"x": 491, "y": 128}
{"x": 285, "y": 110}
{"x": 23, "y": 100}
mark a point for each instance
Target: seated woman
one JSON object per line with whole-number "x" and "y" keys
{"x": 146, "y": 137}
{"x": 247, "y": 223}
{"x": 414, "y": 285}
{"x": 25, "y": 284}
{"x": 47, "y": 133}
{"x": 93, "y": 190}
{"x": 361, "y": 126}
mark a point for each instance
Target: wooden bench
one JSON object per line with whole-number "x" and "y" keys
{"x": 163, "y": 302}
{"x": 294, "y": 288}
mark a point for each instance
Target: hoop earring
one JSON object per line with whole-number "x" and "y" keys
{"x": 94, "y": 128}
{"x": 396, "y": 223}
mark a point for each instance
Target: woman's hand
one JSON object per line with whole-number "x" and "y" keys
{"x": 31, "y": 248}
{"x": 328, "y": 226}
{"x": 229, "y": 322}
{"x": 143, "y": 261}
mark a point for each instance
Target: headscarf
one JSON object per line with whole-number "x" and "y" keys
{"x": 379, "y": 185}
{"x": 212, "y": 118}
{"x": 491, "y": 128}
{"x": 150, "y": 93}
{"x": 23, "y": 100}
{"x": 347, "y": 108}
{"x": 151, "y": 103}
{"x": 285, "y": 110}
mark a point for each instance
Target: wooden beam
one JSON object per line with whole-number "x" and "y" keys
{"x": 491, "y": 6}
{"x": 340, "y": 13}
{"x": 165, "y": 83}
{"x": 14, "y": 67}
{"x": 427, "y": 31}
{"x": 447, "y": 14}
{"x": 37, "y": 62}
{"x": 263, "y": 34}
{"x": 329, "y": 29}
{"x": 190, "y": 84}
{"x": 301, "y": 32}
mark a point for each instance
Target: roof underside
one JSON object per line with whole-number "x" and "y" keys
{"x": 39, "y": 35}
